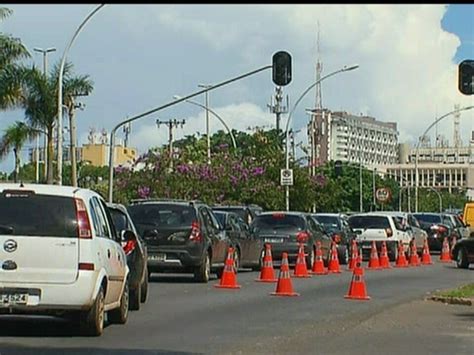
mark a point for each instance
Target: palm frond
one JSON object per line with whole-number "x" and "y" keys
{"x": 5, "y": 12}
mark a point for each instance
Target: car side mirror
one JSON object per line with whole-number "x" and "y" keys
{"x": 127, "y": 235}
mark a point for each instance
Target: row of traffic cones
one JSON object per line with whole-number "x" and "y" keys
{"x": 357, "y": 289}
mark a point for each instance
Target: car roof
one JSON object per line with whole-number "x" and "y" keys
{"x": 165, "y": 201}
{"x": 370, "y": 214}
{"x": 291, "y": 213}
{"x": 45, "y": 189}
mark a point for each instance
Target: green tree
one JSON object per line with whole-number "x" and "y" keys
{"x": 14, "y": 139}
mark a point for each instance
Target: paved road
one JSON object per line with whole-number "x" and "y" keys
{"x": 185, "y": 317}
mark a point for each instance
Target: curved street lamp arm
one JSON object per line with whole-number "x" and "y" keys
{"x": 418, "y": 147}
{"x": 60, "y": 92}
{"x": 219, "y": 118}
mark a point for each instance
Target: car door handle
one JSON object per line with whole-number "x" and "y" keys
{"x": 108, "y": 253}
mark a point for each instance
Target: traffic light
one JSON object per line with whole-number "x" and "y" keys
{"x": 338, "y": 168}
{"x": 281, "y": 68}
{"x": 466, "y": 77}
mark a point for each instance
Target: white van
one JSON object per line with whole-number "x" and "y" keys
{"x": 59, "y": 255}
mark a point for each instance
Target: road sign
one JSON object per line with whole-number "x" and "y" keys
{"x": 383, "y": 194}
{"x": 286, "y": 177}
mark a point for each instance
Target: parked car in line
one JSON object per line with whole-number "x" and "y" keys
{"x": 181, "y": 236}
{"x": 337, "y": 227}
{"x": 246, "y": 212}
{"x": 438, "y": 226}
{"x": 60, "y": 255}
{"x": 286, "y": 230}
{"x": 136, "y": 252}
{"x": 409, "y": 221}
{"x": 463, "y": 252}
{"x": 378, "y": 227}
{"x": 248, "y": 249}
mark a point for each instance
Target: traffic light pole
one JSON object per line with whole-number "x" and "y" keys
{"x": 169, "y": 104}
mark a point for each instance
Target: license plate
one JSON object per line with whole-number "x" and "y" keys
{"x": 273, "y": 240}
{"x": 13, "y": 299}
{"x": 366, "y": 247}
{"x": 157, "y": 257}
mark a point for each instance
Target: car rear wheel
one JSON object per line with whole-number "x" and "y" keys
{"x": 202, "y": 273}
{"x": 343, "y": 254}
{"x": 461, "y": 259}
{"x": 310, "y": 258}
{"x": 92, "y": 321}
{"x": 260, "y": 261}
{"x": 144, "y": 286}
{"x": 135, "y": 297}
{"x": 120, "y": 314}
{"x": 236, "y": 260}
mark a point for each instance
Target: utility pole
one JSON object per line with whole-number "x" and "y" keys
{"x": 276, "y": 106}
{"x": 207, "y": 122}
{"x": 171, "y": 124}
{"x": 45, "y": 153}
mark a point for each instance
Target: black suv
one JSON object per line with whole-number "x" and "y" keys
{"x": 246, "y": 212}
{"x": 181, "y": 236}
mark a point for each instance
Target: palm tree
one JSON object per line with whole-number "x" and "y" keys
{"x": 14, "y": 138}
{"x": 73, "y": 86}
{"x": 12, "y": 51}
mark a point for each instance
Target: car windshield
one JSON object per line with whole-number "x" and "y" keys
{"x": 329, "y": 223}
{"x": 30, "y": 214}
{"x": 369, "y": 222}
{"x": 428, "y": 218}
{"x": 278, "y": 222}
{"x": 240, "y": 211}
{"x": 220, "y": 217}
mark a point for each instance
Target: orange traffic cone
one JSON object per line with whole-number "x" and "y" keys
{"x": 267, "y": 274}
{"x": 384, "y": 261}
{"x": 318, "y": 264}
{"x": 228, "y": 279}
{"x": 354, "y": 255}
{"x": 374, "y": 263}
{"x": 284, "y": 287}
{"x": 357, "y": 289}
{"x": 401, "y": 259}
{"x": 414, "y": 259}
{"x": 426, "y": 257}
{"x": 333, "y": 266}
{"x": 445, "y": 253}
{"x": 300, "y": 268}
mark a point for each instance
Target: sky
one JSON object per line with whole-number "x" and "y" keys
{"x": 140, "y": 56}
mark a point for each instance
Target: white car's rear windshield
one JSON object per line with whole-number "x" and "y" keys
{"x": 28, "y": 214}
{"x": 369, "y": 222}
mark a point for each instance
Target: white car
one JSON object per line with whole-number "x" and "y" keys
{"x": 379, "y": 227}
{"x": 59, "y": 255}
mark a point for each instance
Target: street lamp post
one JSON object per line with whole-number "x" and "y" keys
{"x": 207, "y": 122}
{"x": 418, "y": 147}
{"x": 45, "y": 153}
{"x": 216, "y": 115}
{"x": 287, "y": 187}
{"x": 60, "y": 94}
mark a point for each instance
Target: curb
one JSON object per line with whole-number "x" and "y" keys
{"x": 452, "y": 300}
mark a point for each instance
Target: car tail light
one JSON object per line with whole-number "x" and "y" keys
{"x": 336, "y": 238}
{"x": 438, "y": 229}
{"x": 86, "y": 266}
{"x": 302, "y": 237}
{"x": 83, "y": 224}
{"x": 196, "y": 235}
{"x": 389, "y": 232}
{"x": 129, "y": 246}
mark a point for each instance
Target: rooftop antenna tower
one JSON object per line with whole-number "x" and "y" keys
{"x": 319, "y": 69}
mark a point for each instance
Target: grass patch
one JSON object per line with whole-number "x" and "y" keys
{"x": 466, "y": 291}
